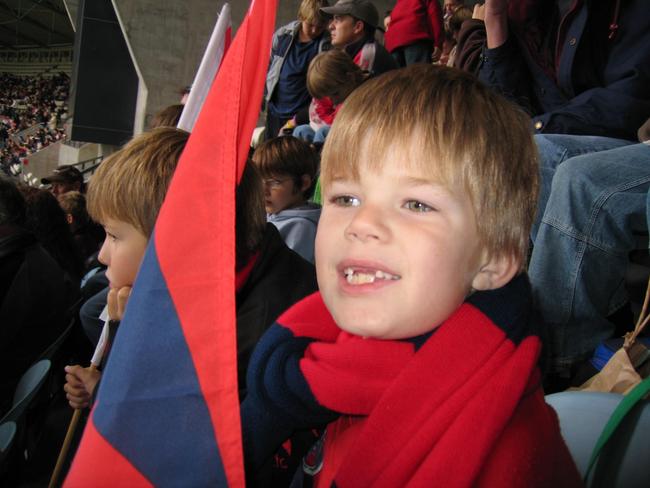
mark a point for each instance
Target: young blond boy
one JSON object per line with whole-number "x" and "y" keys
{"x": 419, "y": 353}
{"x": 124, "y": 196}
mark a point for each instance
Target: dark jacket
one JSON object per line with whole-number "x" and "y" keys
{"x": 35, "y": 295}
{"x": 588, "y": 73}
{"x": 279, "y": 278}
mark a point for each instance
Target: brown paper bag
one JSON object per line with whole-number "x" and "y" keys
{"x": 628, "y": 366}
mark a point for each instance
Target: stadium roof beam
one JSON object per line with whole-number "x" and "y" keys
{"x": 23, "y": 36}
{"x": 52, "y": 7}
{"x": 33, "y": 22}
{"x": 4, "y": 45}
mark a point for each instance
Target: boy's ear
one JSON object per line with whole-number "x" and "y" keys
{"x": 69, "y": 218}
{"x": 496, "y": 273}
{"x": 305, "y": 183}
{"x": 358, "y": 27}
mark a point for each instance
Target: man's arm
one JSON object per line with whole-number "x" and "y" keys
{"x": 274, "y": 49}
{"x": 504, "y": 69}
{"x": 496, "y": 22}
{"x": 503, "y": 66}
{"x": 616, "y": 110}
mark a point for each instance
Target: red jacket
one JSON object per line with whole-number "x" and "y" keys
{"x": 414, "y": 20}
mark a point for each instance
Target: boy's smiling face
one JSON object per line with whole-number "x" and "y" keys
{"x": 122, "y": 252}
{"x": 396, "y": 252}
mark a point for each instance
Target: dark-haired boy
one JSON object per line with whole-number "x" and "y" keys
{"x": 288, "y": 168}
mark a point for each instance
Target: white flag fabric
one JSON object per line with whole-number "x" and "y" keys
{"x": 219, "y": 42}
{"x": 103, "y": 338}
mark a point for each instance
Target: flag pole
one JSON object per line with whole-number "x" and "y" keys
{"x": 95, "y": 361}
{"x": 72, "y": 428}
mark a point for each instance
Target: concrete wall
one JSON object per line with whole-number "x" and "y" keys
{"x": 43, "y": 162}
{"x": 168, "y": 38}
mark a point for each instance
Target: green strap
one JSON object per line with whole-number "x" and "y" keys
{"x": 318, "y": 195}
{"x": 627, "y": 403}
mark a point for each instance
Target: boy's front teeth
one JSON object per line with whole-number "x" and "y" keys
{"x": 360, "y": 278}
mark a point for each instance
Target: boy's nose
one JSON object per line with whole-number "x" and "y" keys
{"x": 104, "y": 254}
{"x": 368, "y": 224}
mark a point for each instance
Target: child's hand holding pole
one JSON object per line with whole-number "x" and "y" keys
{"x": 80, "y": 385}
{"x": 81, "y": 382}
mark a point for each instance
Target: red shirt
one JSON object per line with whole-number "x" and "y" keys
{"x": 414, "y": 20}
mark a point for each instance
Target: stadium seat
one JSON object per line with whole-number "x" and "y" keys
{"x": 624, "y": 461}
{"x": 7, "y": 434}
{"x": 27, "y": 388}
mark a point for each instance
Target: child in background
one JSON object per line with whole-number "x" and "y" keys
{"x": 331, "y": 77}
{"x": 420, "y": 351}
{"x": 288, "y": 168}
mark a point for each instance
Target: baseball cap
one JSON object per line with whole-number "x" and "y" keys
{"x": 360, "y": 9}
{"x": 64, "y": 174}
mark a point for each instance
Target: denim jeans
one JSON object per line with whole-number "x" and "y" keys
{"x": 418, "y": 52}
{"x": 592, "y": 209}
{"x": 306, "y": 133}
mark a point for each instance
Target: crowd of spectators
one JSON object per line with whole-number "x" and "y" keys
{"x": 28, "y": 102}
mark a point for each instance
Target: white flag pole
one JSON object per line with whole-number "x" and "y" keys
{"x": 207, "y": 70}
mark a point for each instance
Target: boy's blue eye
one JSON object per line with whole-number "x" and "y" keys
{"x": 417, "y": 206}
{"x": 346, "y": 201}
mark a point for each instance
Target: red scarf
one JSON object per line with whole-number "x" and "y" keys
{"x": 465, "y": 408}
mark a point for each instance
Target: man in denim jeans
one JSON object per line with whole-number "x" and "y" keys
{"x": 592, "y": 209}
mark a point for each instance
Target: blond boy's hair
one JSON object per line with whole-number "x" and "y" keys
{"x": 309, "y": 11}
{"x": 168, "y": 116}
{"x": 332, "y": 73}
{"x": 130, "y": 185}
{"x": 462, "y": 134}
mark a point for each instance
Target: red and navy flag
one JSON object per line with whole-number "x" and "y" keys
{"x": 167, "y": 413}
